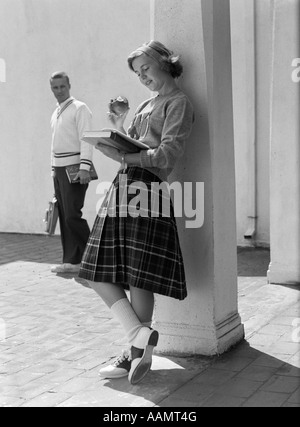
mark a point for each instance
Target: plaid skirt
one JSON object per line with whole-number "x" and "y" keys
{"x": 134, "y": 240}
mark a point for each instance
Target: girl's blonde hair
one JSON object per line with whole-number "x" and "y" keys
{"x": 157, "y": 51}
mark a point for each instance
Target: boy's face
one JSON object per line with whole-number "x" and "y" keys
{"x": 60, "y": 89}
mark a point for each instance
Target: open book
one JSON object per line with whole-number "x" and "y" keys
{"x": 114, "y": 138}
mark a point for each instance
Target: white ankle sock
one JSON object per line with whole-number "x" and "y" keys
{"x": 125, "y": 314}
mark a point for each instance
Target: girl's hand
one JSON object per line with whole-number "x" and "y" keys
{"x": 117, "y": 120}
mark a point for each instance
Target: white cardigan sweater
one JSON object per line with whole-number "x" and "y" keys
{"x": 67, "y": 130}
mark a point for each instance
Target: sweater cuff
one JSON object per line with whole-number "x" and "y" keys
{"x": 85, "y": 165}
{"x": 145, "y": 157}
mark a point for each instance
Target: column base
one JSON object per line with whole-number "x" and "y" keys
{"x": 186, "y": 340}
{"x": 283, "y": 274}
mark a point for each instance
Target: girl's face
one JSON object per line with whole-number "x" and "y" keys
{"x": 149, "y": 72}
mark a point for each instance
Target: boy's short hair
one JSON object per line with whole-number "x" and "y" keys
{"x": 60, "y": 75}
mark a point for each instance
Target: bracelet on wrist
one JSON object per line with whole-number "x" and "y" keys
{"x": 123, "y": 163}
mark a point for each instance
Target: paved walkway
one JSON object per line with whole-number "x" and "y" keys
{"x": 56, "y": 334}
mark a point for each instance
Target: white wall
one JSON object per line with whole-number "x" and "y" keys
{"x": 241, "y": 48}
{"x": 285, "y": 151}
{"x": 90, "y": 40}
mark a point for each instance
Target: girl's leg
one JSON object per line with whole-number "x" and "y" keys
{"x": 116, "y": 299}
{"x": 109, "y": 292}
{"x": 143, "y": 304}
{"x": 141, "y": 338}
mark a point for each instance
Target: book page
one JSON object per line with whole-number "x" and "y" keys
{"x": 128, "y": 138}
{"x": 91, "y": 137}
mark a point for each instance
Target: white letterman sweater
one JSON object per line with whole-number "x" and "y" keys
{"x": 67, "y": 130}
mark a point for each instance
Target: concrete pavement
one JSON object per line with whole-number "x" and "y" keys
{"x": 56, "y": 334}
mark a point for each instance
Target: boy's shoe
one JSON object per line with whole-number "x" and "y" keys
{"x": 119, "y": 369}
{"x": 65, "y": 268}
{"x": 141, "y": 354}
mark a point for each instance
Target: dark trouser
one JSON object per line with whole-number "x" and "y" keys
{"x": 73, "y": 228}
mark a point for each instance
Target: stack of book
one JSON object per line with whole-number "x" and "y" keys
{"x": 114, "y": 138}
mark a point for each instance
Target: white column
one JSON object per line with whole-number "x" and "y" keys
{"x": 249, "y": 34}
{"x": 285, "y": 139}
{"x": 207, "y": 322}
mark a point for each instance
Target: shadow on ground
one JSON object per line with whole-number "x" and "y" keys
{"x": 253, "y": 262}
{"x": 18, "y": 247}
{"x": 244, "y": 375}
